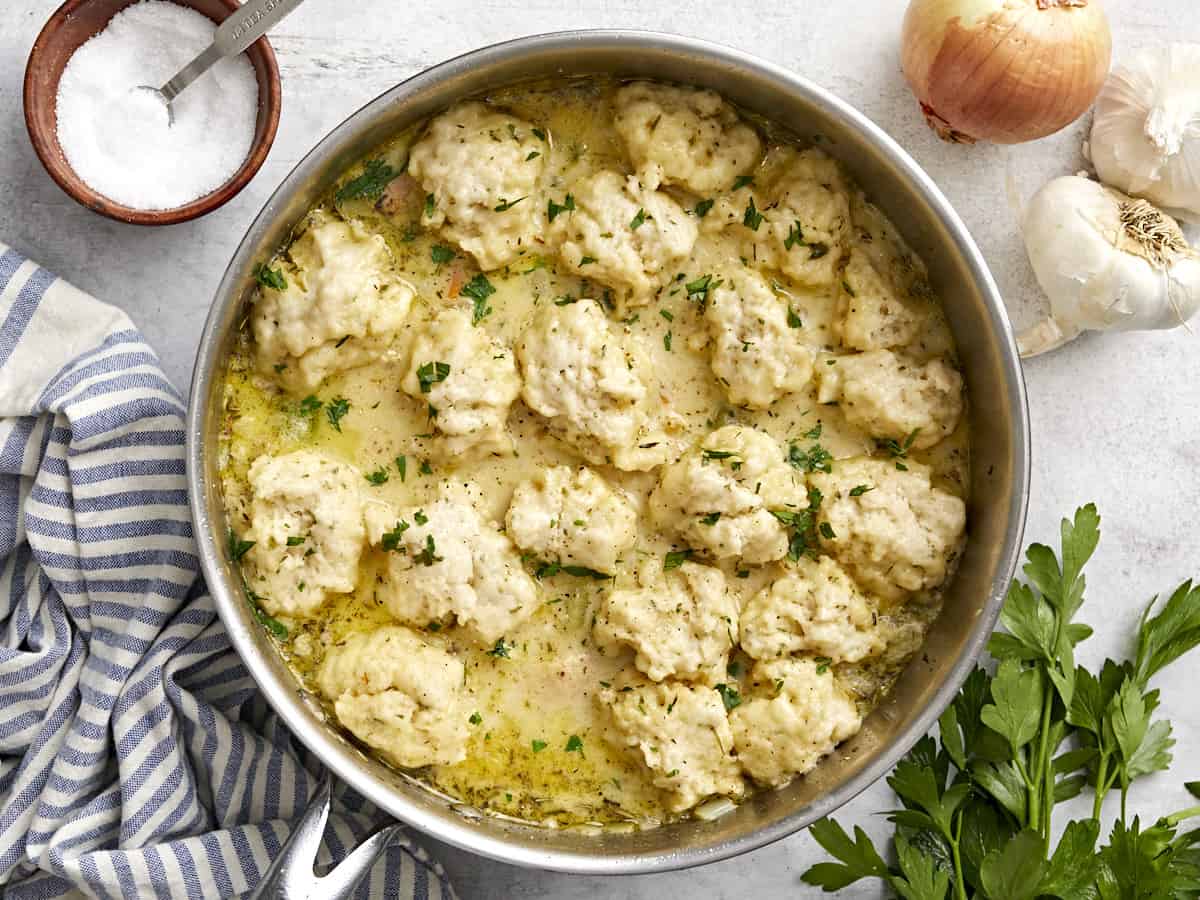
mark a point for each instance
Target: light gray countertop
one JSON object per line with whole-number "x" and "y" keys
{"x": 1116, "y": 419}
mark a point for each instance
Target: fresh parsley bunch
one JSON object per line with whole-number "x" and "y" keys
{"x": 977, "y": 805}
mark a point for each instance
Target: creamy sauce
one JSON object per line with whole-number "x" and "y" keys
{"x": 532, "y": 703}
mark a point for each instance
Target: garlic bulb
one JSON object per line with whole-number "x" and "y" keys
{"x": 1146, "y": 134}
{"x": 1106, "y": 262}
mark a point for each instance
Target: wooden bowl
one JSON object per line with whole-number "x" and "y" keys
{"x": 75, "y": 22}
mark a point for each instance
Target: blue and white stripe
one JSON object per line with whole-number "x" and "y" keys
{"x": 137, "y": 757}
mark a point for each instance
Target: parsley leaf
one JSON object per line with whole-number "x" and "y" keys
{"x": 376, "y": 175}
{"x": 336, "y": 411}
{"x": 676, "y": 558}
{"x": 506, "y": 205}
{"x": 390, "y": 541}
{"x": 402, "y": 466}
{"x": 479, "y": 289}
{"x": 574, "y": 744}
{"x": 431, "y": 373}
{"x": 703, "y": 208}
{"x": 441, "y": 254}
{"x": 501, "y": 650}
{"x": 730, "y": 696}
{"x": 538, "y": 746}
{"x": 554, "y": 209}
{"x": 638, "y": 220}
{"x": 379, "y": 476}
{"x": 742, "y": 181}
{"x": 752, "y": 217}
{"x": 237, "y": 547}
{"x": 270, "y": 278}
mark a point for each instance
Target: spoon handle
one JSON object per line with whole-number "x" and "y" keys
{"x": 235, "y": 34}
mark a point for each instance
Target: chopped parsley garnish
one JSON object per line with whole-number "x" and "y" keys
{"x": 752, "y": 218}
{"x": 501, "y": 650}
{"x": 667, "y": 341}
{"x": 425, "y": 468}
{"x": 815, "y": 459}
{"x": 698, "y": 289}
{"x": 587, "y": 260}
{"x": 823, "y": 664}
{"x": 295, "y": 540}
{"x": 420, "y": 518}
{"x": 730, "y": 696}
{"x": 827, "y": 531}
{"x": 814, "y": 433}
{"x": 794, "y": 237}
{"x": 817, "y": 250}
{"x": 268, "y": 277}
{"x": 533, "y": 154}
{"x": 431, "y": 373}
{"x": 376, "y": 176}
{"x": 336, "y": 411}
{"x": 575, "y": 744}
{"x": 538, "y": 746}
{"x": 742, "y": 181}
{"x": 402, "y": 466}
{"x": 506, "y": 205}
{"x": 310, "y": 406}
{"x": 859, "y": 489}
{"x": 550, "y": 569}
{"x": 475, "y": 719}
{"x": 539, "y": 134}
{"x": 391, "y": 539}
{"x": 428, "y": 555}
{"x": 718, "y": 454}
{"x": 667, "y": 314}
{"x": 703, "y": 208}
{"x": 379, "y": 476}
{"x": 430, "y": 205}
{"x": 479, "y": 289}
{"x": 846, "y": 287}
{"x": 237, "y": 547}
{"x": 898, "y": 449}
{"x": 638, "y": 221}
{"x": 710, "y": 519}
{"x": 793, "y": 319}
{"x": 566, "y": 300}
{"x": 675, "y": 559}
{"x": 441, "y": 254}
{"x": 553, "y": 209}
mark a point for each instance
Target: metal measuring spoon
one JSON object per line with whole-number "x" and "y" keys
{"x": 235, "y": 34}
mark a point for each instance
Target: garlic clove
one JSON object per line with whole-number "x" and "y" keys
{"x": 1145, "y": 136}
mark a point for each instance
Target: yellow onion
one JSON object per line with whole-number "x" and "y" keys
{"x": 1005, "y": 71}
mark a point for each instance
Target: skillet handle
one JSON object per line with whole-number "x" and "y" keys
{"x": 291, "y": 875}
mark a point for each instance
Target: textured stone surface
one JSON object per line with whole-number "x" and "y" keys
{"x": 1116, "y": 419}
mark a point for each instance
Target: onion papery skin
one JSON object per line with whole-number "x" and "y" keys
{"x": 1005, "y": 71}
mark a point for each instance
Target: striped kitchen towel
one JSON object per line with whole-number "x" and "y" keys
{"x": 137, "y": 757}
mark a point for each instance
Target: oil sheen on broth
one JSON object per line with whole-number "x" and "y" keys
{"x": 541, "y": 744}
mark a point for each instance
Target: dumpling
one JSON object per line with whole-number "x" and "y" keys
{"x": 468, "y": 379}
{"x": 722, "y": 495}
{"x": 624, "y": 236}
{"x": 681, "y": 734}
{"x": 891, "y": 529}
{"x": 480, "y": 168}
{"x": 307, "y": 531}
{"x": 681, "y": 625}
{"x": 684, "y": 136}
{"x": 444, "y": 560}
{"x": 756, "y": 355}
{"x": 573, "y": 517}
{"x": 399, "y": 695}
{"x": 342, "y": 307}
{"x": 894, "y": 398}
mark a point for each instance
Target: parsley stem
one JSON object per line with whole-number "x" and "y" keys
{"x": 1045, "y": 769}
{"x": 1175, "y": 818}
{"x": 960, "y": 889}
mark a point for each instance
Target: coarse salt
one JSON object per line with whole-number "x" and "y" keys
{"x": 120, "y": 140}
